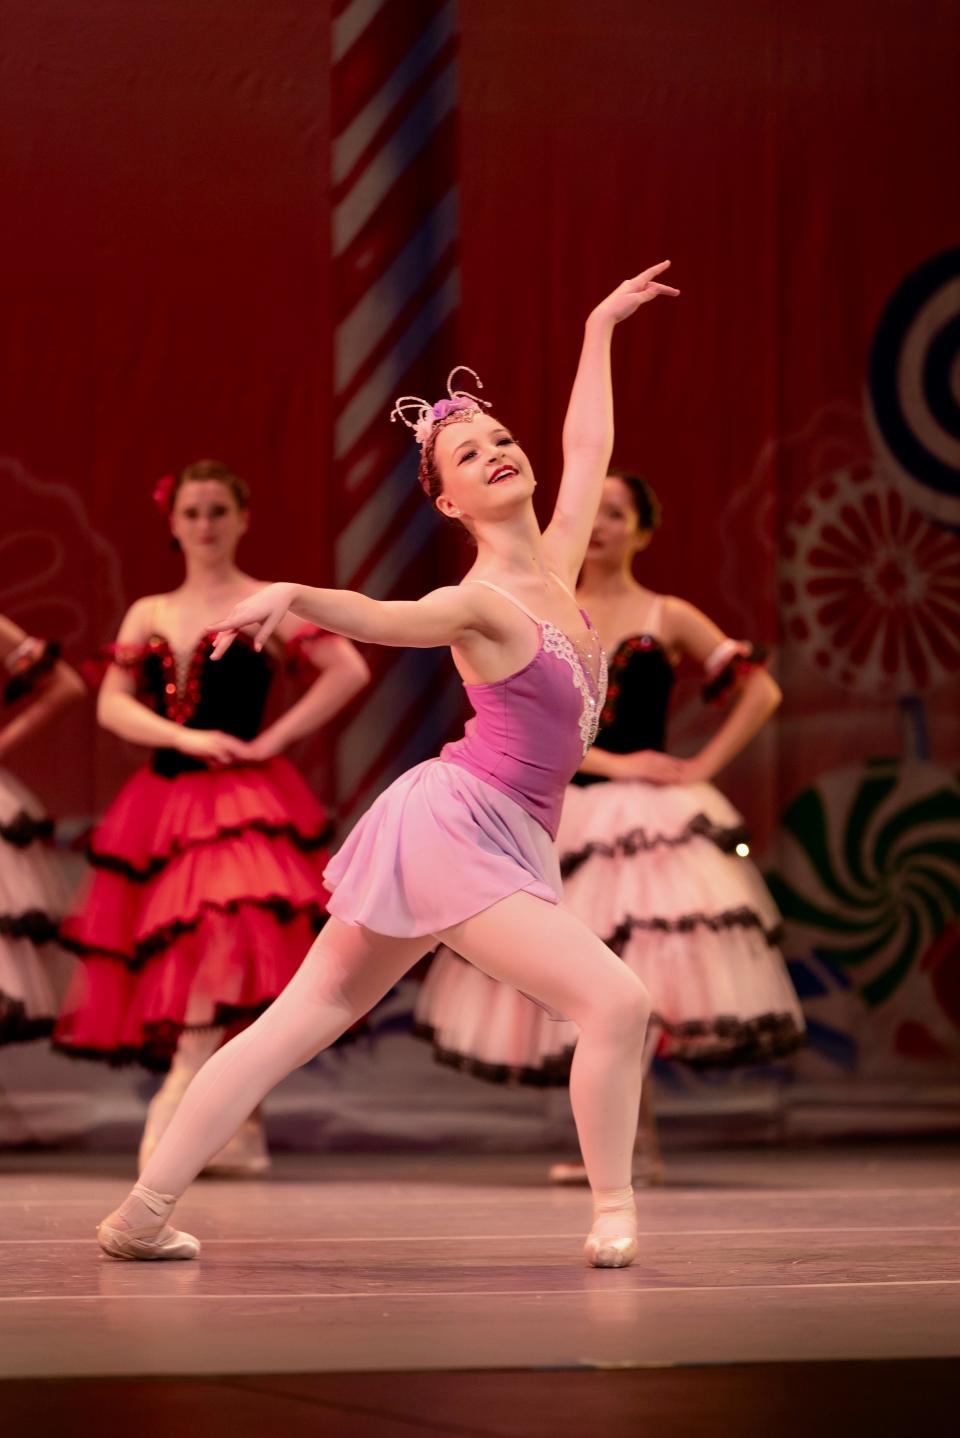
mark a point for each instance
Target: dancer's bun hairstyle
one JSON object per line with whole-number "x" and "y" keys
{"x": 644, "y": 497}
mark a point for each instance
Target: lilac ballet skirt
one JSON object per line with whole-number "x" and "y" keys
{"x": 459, "y": 833}
{"x": 437, "y": 847}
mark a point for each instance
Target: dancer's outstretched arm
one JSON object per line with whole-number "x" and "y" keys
{"x": 588, "y": 427}
{"x": 443, "y": 617}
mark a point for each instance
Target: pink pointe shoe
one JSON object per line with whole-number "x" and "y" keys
{"x": 612, "y": 1241}
{"x": 145, "y": 1240}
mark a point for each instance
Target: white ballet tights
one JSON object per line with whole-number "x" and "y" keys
{"x": 193, "y": 1049}
{"x": 537, "y": 947}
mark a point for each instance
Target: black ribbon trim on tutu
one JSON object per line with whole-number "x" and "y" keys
{"x": 117, "y": 864}
{"x": 161, "y": 1038}
{"x": 34, "y": 925}
{"x": 163, "y": 938}
{"x": 727, "y": 1041}
{"x": 554, "y": 1073}
{"x": 639, "y": 841}
{"x": 26, "y": 679}
{"x": 24, "y": 829}
{"x": 742, "y": 918}
{"x": 16, "y": 1026}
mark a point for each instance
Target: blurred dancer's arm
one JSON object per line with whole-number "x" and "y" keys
{"x": 757, "y": 696}
{"x": 342, "y": 673}
{"x": 53, "y": 691}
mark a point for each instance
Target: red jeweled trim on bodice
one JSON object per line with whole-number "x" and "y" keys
{"x": 624, "y": 652}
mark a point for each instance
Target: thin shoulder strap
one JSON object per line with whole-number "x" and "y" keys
{"x": 565, "y": 587}
{"x": 488, "y": 584}
{"x": 655, "y": 617}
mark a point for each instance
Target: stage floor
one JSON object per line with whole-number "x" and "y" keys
{"x": 357, "y": 1263}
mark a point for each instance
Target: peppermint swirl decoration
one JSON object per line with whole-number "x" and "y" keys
{"x": 870, "y": 871}
{"x": 913, "y": 388}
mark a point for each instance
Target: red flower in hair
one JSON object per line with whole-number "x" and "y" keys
{"x": 163, "y": 493}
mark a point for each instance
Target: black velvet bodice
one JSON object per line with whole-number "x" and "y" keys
{"x": 229, "y": 694}
{"x": 638, "y": 696}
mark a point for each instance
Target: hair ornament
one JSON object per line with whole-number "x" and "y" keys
{"x": 426, "y": 416}
{"x": 163, "y": 493}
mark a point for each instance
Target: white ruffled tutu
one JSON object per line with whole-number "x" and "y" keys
{"x": 33, "y": 898}
{"x": 654, "y": 870}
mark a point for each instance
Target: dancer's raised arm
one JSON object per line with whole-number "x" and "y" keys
{"x": 442, "y": 617}
{"x": 588, "y": 427}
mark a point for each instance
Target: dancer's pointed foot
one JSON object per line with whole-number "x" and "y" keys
{"x": 245, "y": 1156}
{"x": 612, "y": 1241}
{"x": 138, "y": 1229}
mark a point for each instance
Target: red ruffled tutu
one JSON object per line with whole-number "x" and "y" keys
{"x": 205, "y": 897}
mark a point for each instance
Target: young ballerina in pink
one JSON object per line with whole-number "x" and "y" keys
{"x": 652, "y": 854}
{"x": 461, "y": 848}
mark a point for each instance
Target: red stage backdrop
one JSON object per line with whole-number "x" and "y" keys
{"x": 235, "y": 229}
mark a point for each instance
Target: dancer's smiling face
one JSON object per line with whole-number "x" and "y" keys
{"x": 207, "y": 520}
{"x": 483, "y": 473}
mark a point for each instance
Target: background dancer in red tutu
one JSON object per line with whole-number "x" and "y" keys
{"x": 459, "y": 848}
{"x": 33, "y": 887}
{"x": 207, "y": 867}
{"x": 653, "y": 856}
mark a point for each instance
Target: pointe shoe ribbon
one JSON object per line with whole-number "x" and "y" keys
{"x": 148, "y": 1241}
{"x": 612, "y": 1241}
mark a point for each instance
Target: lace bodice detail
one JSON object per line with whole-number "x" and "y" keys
{"x": 593, "y": 690}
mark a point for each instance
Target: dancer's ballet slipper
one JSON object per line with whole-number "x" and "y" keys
{"x": 152, "y": 1239}
{"x": 612, "y": 1241}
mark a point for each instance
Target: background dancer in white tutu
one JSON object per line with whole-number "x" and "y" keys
{"x": 34, "y": 890}
{"x": 653, "y": 856}
{"x": 460, "y": 849}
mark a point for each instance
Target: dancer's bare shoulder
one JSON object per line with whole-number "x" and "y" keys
{"x": 140, "y": 620}
{"x": 687, "y": 629}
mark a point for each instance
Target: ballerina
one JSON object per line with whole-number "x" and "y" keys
{"x": 461, "y": 848}
{"x": 34, "y": 891}
{"x": 654, "y": 857}
{"x": 206, "y": 883}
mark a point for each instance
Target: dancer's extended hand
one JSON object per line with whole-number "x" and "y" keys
{"x": 264, "y": 609}
{"x": 627, "y": 298}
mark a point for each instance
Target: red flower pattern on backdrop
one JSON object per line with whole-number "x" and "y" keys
{"x": 870, "y": 588}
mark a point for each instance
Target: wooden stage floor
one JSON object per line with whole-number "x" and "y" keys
{"x": 343, "y": 1277}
